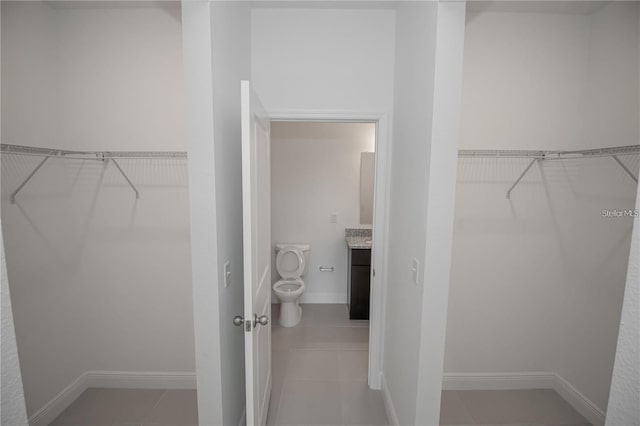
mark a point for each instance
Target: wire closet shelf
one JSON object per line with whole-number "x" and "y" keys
{"x": 538, "y": 156}
{"x": 104, "y": 156}
{"x": 113, "y": 156}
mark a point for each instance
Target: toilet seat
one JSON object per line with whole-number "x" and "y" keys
{"x": 292, "y": 286}
{"x": 292, "y": 273}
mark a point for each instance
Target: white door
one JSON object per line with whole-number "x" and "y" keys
{"x": 256, "y": 206}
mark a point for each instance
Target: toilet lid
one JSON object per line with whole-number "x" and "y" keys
{"x": 283, "y": 266}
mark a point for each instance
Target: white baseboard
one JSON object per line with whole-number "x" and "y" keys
{"x": 581, "y": 403}
{"x": 498, "y": 381}
{"x": 388, "y": 403}
{"x": 110, "y": 379}
{"x": 323, "y": 298}
{"x": 59, "y": 403}
{"x": 527, "y": 380}
{"x": 140, "y": 380}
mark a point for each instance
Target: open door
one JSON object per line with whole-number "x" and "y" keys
{"x": 256, "y": 211}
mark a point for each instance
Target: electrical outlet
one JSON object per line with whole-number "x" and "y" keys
{"x": 227, "y": 274}
{"x": 333, "y": 218}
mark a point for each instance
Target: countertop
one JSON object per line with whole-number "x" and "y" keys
{"x": 358, "y": 238}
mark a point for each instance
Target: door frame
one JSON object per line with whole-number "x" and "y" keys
{"x": 380, "y": 227}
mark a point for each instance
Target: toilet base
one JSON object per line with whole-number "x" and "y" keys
{"x": 290, "y": 314}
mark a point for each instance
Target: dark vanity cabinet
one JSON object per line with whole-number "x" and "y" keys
{"x": 359, "y": 283}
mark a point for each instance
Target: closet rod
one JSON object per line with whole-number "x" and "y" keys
{"x": 106, "y": 156}
{"x": 91, "y": 155}
{"x": 613, "y": 152}
{"x": 550, "y": 155}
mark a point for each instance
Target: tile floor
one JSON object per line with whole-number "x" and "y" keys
{"x": 320, "y": 378}
{"x": 540, "y": 407}
{"x": 131, "y": 407}
{"x": 320, "y": 371}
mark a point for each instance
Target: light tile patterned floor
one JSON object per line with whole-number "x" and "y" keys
{"x": 131, "y": 407}
{"x": 320, "y": 371}
{"x": 320, "y": 378}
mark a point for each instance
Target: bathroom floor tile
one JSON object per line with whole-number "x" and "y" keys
{"x": 353, "y": 365}
{"x": 320, "y": 315}
{"x": 312, "y": 365}
{"x": 352, "y": 338}
{"x": 307, "y": 402}
{"x": 316, "y": 338}
{"x": 361, "y": 405}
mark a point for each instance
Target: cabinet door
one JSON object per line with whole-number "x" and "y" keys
{"x": 360, "y": 288}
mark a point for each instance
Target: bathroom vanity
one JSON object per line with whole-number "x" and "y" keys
{"x": 358, "y": 272}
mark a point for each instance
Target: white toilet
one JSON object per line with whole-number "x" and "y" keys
{"x": 292, "y": 262}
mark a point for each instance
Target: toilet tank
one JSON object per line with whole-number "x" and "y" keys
{"x": 304, "y": 248}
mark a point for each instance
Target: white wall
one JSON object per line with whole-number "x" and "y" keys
{"x": 298, "y": 63}
{"x": 538, "y": 280}
{"x": 99, "y": 281}
{"x": 217, "y": 57}
{"x": 315, "y": 172}
{"x": 93, "y": 76}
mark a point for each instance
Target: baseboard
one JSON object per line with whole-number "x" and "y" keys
{"x": 323, "y": 298}
{"x": 527, "y": 380}
{"x": 581, "y": 403}
{"x": 498, "y": 381}
{"x": 141, "y": 380}
{"x": 59, "y": 403}
{"x": 388, "y": 403}
{"x": 110, "y": 379}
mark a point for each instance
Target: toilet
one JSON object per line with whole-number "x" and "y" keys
{"x": 292, "y": 262}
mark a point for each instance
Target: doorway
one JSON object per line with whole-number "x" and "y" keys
{"x": 323, "y": 181}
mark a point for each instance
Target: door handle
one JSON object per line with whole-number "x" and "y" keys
{"x": 238, "y": 320}
{"x": 262, "y": 320}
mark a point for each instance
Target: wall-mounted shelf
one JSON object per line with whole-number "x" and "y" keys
{"x": 104, "y": 156}
{"x": 535, "y": 156}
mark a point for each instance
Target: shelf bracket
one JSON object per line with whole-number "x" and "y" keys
{"x": 520, "y": 177}
{"x": 124, "y": 175}
{"x": 32, "y": 174}
{"x": 625, "y": 168}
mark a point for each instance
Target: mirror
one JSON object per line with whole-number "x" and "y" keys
{"x": 367, "y": 174}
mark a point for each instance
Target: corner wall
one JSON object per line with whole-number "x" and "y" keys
{"x": 217, "y": 57}
{"x": 425, "y": 126}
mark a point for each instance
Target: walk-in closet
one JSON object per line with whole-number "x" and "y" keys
{"x": 95, "y": 215}
{"x": 545, "y": 205}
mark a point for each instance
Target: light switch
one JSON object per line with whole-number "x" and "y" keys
{"x": 227, "y": 274}
{"x": 333, "y": 218}
{"x": 414, "y": 270}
